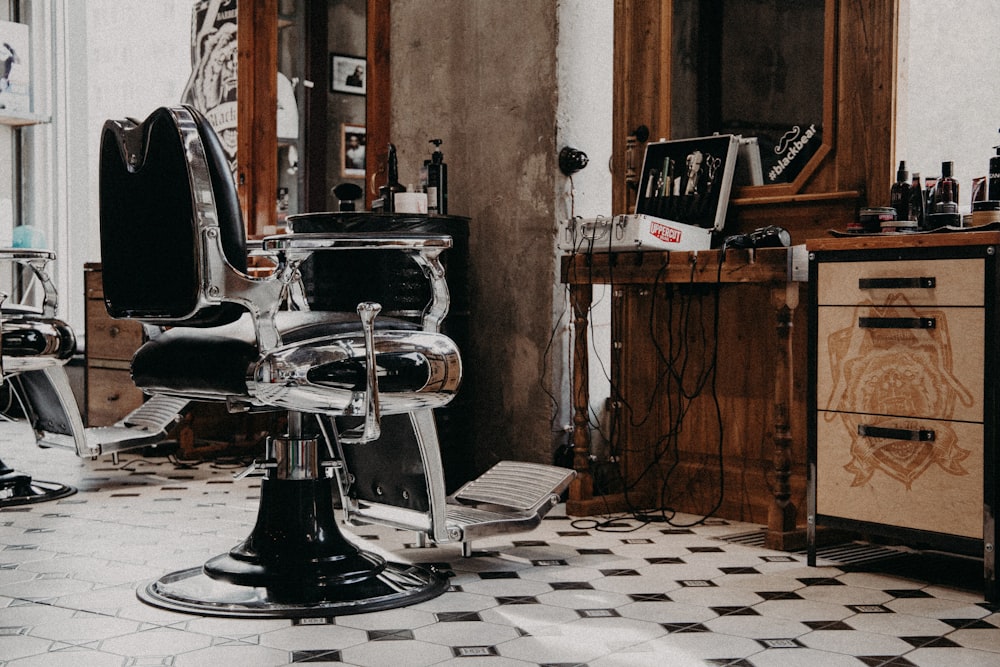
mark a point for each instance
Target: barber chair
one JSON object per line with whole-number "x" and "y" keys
{"x": 35, "y": 347}
{"x": 32, "y": 341}
{"x": 356, "y": 389}
{"x": 174, "y": 253}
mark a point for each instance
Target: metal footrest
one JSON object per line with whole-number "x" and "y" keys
{"x": 144, "y": 426}
{"x": 509, "y": 497}
{"x": 522, "y": 487}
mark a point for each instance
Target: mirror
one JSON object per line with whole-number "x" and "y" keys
{"x": 758, "y": 68}
{"x": 311, "y": 34}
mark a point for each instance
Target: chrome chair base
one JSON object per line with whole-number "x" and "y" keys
{"x": 389, "y": 586}
{"x": 17, "y": 488}
{"x": 296, "y": 561}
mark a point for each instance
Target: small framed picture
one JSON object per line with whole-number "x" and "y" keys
{"x": 348, "y": 74}
{"x": 352, "y": 150}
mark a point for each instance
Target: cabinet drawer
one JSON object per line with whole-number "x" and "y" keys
{"x": 108, "y": 338}
{"x": 944, "y": 282}
{"x": 111, "y": 395}
{"x": 93, "y": 284}
{"x": 868, "y": 360}
{"x": 925, "y": 485}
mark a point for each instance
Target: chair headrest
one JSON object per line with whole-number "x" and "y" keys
{"x": 160, "y": 181}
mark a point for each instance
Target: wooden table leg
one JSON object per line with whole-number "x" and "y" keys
{"x": 781, "y": 533}
{"x": 581, "y": 490}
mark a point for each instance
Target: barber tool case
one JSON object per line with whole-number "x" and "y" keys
{"x": 684, "y": 190}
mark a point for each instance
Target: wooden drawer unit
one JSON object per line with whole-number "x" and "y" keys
{"x": 903, "y": 390}
{"x": 110, "y": 392}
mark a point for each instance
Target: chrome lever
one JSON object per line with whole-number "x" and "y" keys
{"x": 372, "y": 428}
{"x": 255, "y": 469}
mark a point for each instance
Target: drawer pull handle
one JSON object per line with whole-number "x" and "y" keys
{"x": 922, "y": 435}
{"x": 113, "y": 397}
{"x": 897, "y": 322}
{"x": 926, "y": 282}
{"x": 113, "y": 331}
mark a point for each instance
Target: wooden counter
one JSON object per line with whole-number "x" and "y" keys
{"x": 733, "y": 451}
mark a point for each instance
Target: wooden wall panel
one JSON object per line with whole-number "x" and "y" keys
{"x": 257, "y": 108}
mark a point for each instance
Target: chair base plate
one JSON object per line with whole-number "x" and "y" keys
{"x": 20, "y": 489}
{"x": 192, "y": 591}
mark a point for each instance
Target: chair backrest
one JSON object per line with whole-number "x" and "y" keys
{"x": 163, "y": 183}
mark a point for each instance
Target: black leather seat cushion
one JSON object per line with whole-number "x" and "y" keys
{"x": 216, "y": 360}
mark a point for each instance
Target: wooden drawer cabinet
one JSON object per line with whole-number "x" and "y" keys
{"x": 110, "y": 392}
{"x": 903, "y": 388}
{"x": 206, "y": 430}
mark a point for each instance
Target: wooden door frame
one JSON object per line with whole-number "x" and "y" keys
{"x": 859, "y": 105}
{"x": 257, "y": 108}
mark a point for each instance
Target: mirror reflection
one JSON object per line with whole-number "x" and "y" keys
{"x": 754, "y": 68}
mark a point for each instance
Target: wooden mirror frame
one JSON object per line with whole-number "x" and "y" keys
{"x": 257, "y": 141}
{"x": 854, "y": 165}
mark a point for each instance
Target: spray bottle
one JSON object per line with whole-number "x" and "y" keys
{"x": 436, "y": 181}
{"x": 899, "y": 194}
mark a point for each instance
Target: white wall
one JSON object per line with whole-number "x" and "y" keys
{"x": 108, "y": 59}
{"x": 949, "y": 101}
{"x": 585, "y": 68}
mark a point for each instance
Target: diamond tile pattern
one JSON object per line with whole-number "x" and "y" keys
{"x": 569, "y": 593}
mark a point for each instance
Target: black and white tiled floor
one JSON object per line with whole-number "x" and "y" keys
{"x": 568, "y": 593}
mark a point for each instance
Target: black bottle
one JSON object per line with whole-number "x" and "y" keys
{"x": 436, "y": 181}
{"x": 918, "y": 201}
{"x": 946, "y": 190}
{"x": 993, "y": 182}
{"x": 899, "y": 194}
{"x": 387, "y": 193}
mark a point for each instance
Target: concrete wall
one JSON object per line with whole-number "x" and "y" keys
{"x": 506, "y": 85}
{"x": 481, "y": 75}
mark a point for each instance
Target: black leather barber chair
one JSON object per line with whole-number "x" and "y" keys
{"x": 359, "y": 390}
{"x": 32, "y": 341}
{"x": 174, "y": 253}
{"x": 36, "y": 390}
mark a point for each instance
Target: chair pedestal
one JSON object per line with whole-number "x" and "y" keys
{"x": 296, "y": 562}
{"x": 17, "y": 488}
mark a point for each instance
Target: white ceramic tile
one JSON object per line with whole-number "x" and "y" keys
{"x": 214, "y": 656}
{"x": 851, "y": 642}
{"x": 555, "y": 648}
{"x": 156, "y": 642}
{"x": 137, "y": 520}
{"x": 951, "y": 657}
{"x": 313, "y": 637}
{"x": 396, "y": 652}
{"x": 472, "y": 633}
{"x": 800, "y": 657}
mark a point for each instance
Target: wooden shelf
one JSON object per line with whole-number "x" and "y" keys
{"x": 20, "y": 118}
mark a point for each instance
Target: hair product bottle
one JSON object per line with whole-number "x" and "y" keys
{"x": 436, "y": 181}
{"x": 993, "y": 182}
{"x": 946, "y": 199}
{"x": 387, "y": 193}
{"x": 899, "y": 194}
{"x": 945, "y": 210}
{"x": 918, "y": 202}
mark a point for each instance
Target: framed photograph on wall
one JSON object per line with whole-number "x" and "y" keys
{"x": 348, "y": 74}
{"x": 353, "y": 139}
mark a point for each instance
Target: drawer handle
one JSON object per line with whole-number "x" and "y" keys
{"x": 926, "y": 282}
{"x": 897, "y": 322}
{"x": 922, "y": 435}
{"x": 113, "y": 331}
{"x": 113, "y": 397}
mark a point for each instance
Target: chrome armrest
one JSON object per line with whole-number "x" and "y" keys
{"x": 424, "y": 249}
{"x": 37, "y": 261}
